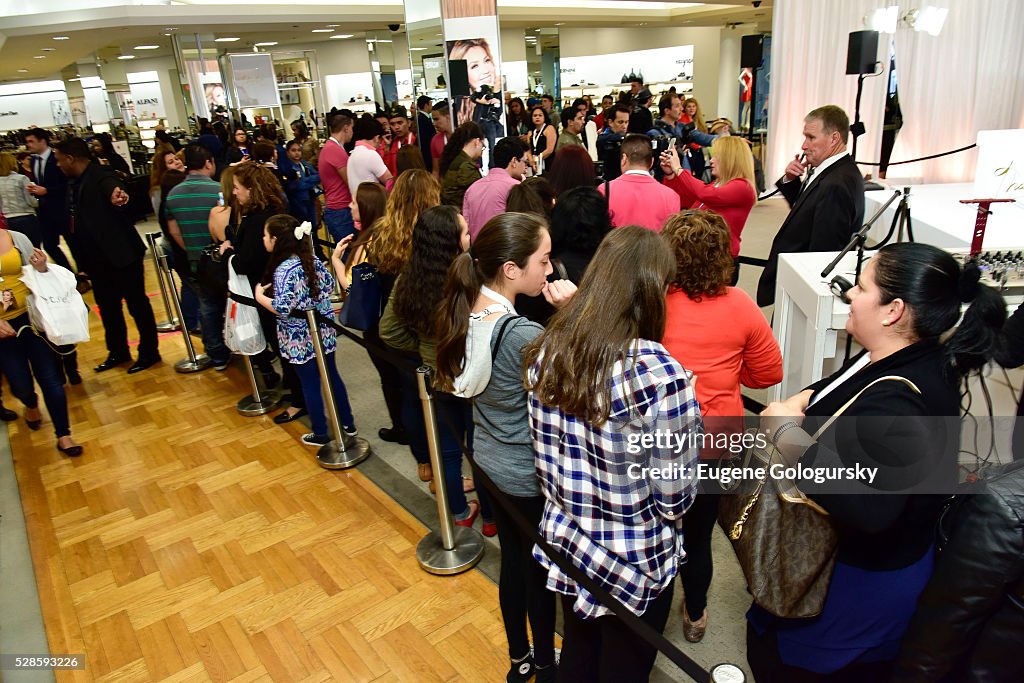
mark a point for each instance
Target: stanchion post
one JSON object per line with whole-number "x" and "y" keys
{"x": 258, "y": 403}
{"x": 172, "y": 323}
{"x": 193, "y": 363}
{"x": 342, "y": 451}
{"x": 452, "y": 549}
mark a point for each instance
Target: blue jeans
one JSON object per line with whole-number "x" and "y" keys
{"x": 211, "y": 315}
{"x": 29, "y": 355}
{"x": 189, "y": 298}
{"x": 309, "y": 376}
{"x": 452, "y": 413}
{"x": 339, "y": 222}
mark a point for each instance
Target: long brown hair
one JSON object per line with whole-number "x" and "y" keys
{"x": 265, "y": 193}
{"x": 620, "y": 299}
{"x": 436, "y": 242}
{"x": 414, "y": 192}
{"x": 506, "y": 237}
{"x": 282, "y": 228}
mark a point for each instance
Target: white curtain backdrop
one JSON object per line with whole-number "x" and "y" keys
{"x": 968, "y": 78}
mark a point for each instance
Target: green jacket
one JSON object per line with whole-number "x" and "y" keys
{"x": 400, "y": 336}
{"x": 461, "y": 174}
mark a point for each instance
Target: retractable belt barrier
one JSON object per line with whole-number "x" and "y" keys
{"x": 194, "y": 363}
{"x": 406, "y": 364}
{"x": 171, "y": 323}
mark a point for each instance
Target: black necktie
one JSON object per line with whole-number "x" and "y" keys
{"x": 810, "y": 174}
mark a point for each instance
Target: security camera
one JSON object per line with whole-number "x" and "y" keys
{"x": 395, "y": 27}
{"x": 756, "y": 3}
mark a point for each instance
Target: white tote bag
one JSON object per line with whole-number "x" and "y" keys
{"x": 54, "y": 306}
{"x": 242, "y": 331}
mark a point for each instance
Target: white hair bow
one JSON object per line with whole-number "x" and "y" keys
{"x": 303, "y": 229}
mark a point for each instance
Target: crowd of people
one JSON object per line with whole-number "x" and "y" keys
{"x": 566, "y": 315}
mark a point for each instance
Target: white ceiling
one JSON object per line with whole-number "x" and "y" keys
{"x": 104, "y": 33}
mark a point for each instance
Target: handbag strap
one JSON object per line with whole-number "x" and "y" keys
{"x": 501, "y": 333}
{"x": 887, "y": 378}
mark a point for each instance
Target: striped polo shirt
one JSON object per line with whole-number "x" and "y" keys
{"x": 189, "y": 204}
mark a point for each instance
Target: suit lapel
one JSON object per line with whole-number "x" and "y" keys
{"x": 817, "y": 183}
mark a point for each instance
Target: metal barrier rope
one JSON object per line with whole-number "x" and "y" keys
{"x": 193, "y": 363}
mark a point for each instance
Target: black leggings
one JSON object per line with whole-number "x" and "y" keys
{"x": 390, "y": 378}
{"x": 522, "y": 591}
{"x": 695, "y": 573}
{"x": 605, "y": 650}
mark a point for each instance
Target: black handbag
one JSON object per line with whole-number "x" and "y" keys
{"x": 212, "y": 271}
{"x": 363, "y": 304}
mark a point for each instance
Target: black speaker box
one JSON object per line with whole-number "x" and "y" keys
{"x": 750, "y": 51}
{"x": 862, "y": 53}
{"x": 458, "y": 72}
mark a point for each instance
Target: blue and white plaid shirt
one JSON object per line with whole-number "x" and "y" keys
{"x": 623, "y": 531}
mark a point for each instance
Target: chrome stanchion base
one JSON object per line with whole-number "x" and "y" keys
{"x": 168, "y": 326}
{"x": 434, "y": 559}
{"x": 186, "y": 366}
{"x": 250, "y": 406}
{"x": 331, "y": 457}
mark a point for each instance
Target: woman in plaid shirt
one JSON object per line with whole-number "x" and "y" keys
{"x": 600, "y": 382}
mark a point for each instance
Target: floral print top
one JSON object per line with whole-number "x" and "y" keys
{"x": 291, "y": 293}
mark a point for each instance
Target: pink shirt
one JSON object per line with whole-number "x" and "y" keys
{"x": 636, "y": 199}
{"x": 332, "y": 158}
{"x": 486, "y": 198}
{"x": 437, "y": 144}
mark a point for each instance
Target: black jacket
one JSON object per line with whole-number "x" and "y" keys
{"x": 1010, "y": 354}
{"x": 910, "y": 437}
{"x": 969, "y": 624}
{"x": 53, "y": 206}
{"x": 823, "y": 218}
{"x": 101, "y": 234}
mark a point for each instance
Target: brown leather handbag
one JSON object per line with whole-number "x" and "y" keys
{"x": 785, "y": 543}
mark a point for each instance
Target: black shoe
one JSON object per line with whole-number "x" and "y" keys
{"x": 394, "y": 435}
{"x": 521, "y": 671}
{"x": 7, "y": 415}
{"x": 284, "y": 418}
{"x": 143, "y": 363}
{"x": 71, "y": 451}
{"x": 74, "y": 377}
{"x": 112, "y": 361}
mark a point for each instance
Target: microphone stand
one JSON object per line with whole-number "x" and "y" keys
{"x": 857, "y": 242}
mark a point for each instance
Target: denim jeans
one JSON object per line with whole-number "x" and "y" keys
{"x": 189, "y": 298}
{"x": 211, "y": 316}
{"x": 309, "y": 376}
{"x": 26, "y": 356}
{"x": 339, "y": 222}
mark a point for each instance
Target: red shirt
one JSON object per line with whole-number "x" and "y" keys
{"x": 390, "y": 153}
{"x": 437, "y": 144}
{"x": 725, "y": 341}
{"x": 332, "y": 158}
{"x": 732, "y": 201}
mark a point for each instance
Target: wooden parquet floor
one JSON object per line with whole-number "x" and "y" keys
{"x": 190, "y": 543}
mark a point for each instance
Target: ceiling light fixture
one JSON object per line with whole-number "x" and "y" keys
{"x": 332, "y": 25}
{"x": 147, "y": 47}
{"x": 323, "y": 30}
{"x": 225, "y": 40}
{"x": 417, "y": 48}
{"x": 126, "y": 57}
{"x": 267, "y": 44}
{"x": 342, "y": 35}
{"x": 23, "y": 71}
{"x": 47, "y": 49}
{"x": 61, "y": 38}
{"x": 39, "y": 57}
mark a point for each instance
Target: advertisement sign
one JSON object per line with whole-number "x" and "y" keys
{"x": 36, "y": 103}
{"x": 474, "y": 64}
{"x": 145, "y": 89}
{"x": 255, "y": 81}
{"x": 658, "y": 65}
{"x": 999, "y": 173}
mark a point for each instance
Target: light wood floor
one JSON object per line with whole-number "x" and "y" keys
{"x": 190, "y": 543}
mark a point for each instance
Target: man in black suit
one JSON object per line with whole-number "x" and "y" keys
{"x": 105, "y": 242}
{"x": 424, "y": 127}
{"x": 51, "y": 187}
{"x": 828, "y": 206}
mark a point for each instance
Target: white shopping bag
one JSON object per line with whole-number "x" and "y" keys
{"x": 242, "y": 331}
{"x": 54, "y": 306}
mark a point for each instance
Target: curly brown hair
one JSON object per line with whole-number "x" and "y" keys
{"x": 265, "y": 192}
{"x": 414, "y": 192}
{"x": 700, "y": 242}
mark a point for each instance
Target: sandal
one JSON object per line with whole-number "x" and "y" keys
{"x": 424, "y": 472}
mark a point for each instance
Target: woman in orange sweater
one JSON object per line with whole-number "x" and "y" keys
{"x": 731, "y": 195}
{"x": 718, "y": 333}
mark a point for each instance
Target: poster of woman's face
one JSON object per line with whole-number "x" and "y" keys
{"x": 215, "y": 96}
{"x": 7, "y": 301}
{"x": 480, "y": 67}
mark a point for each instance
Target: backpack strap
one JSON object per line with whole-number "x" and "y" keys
{"x": 501, "y": 333}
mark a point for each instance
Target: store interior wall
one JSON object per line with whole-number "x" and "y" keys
{"x": 729, "y": 71}
{"x": 580, "y": 42}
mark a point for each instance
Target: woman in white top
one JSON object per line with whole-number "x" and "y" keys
{"x": 17, "y": 203}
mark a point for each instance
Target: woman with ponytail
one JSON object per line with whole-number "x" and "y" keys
{"x": 302, "y": 283}
{"x": 902, "y": 416}
{"x": 480, "y": 356}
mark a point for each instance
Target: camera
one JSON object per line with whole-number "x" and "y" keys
{"x": 395, "y": 27}
{"x": 756, "y": 3}
{"x": 685, "y": 129}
